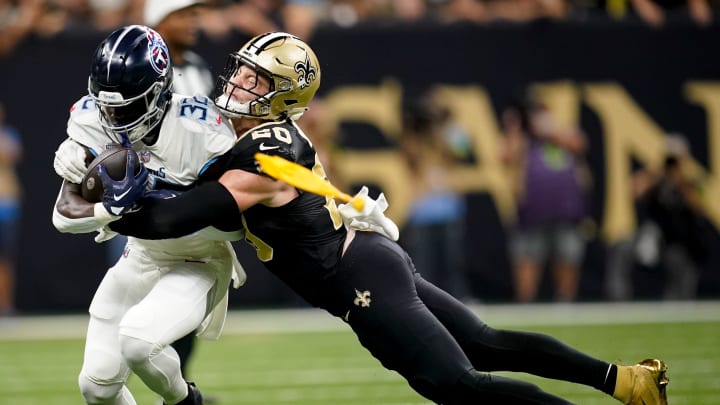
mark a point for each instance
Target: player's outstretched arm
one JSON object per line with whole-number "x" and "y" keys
{"x": 216, "y": 203}
{"x": 209, "y": 204}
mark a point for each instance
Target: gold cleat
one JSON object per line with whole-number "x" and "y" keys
{"x": 643, "y": 383}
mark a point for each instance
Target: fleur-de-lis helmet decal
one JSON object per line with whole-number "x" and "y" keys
{"x": 307, "y": 72}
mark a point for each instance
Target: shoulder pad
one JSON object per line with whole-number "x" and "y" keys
{"x": 84, "y": 125}
{"x": 272, "y": 135}
{"x": 84, "y": 109}
{"x": 272, "y": 138}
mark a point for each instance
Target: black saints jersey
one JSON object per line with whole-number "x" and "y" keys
{"x": 300, "y": 242}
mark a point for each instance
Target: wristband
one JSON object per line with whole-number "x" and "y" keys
{"x": 103, "y": 216}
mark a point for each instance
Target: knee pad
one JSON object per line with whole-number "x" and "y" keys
{"x": 98, "y": 392}
{"x": 102, "y": 376}
{"x": 136, "y": 351}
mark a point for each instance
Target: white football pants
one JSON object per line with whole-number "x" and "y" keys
{"x": 144, "y": 303}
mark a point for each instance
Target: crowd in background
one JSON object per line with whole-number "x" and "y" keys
{"x": 20, "y": 18}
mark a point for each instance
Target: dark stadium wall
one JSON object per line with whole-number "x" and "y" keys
{"x": 629, "y": 83}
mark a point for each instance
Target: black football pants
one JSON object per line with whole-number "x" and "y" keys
{"x": 437, "y": 343}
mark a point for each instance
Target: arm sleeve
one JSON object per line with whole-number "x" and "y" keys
{"x": 210, "y": 204}
{"x": 87, "y": 224}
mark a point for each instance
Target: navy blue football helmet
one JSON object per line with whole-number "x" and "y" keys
{"x": 131, "y": 82}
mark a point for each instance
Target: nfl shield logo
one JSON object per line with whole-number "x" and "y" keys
{"x": 145, "y": 156}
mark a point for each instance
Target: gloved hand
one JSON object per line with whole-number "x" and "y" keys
{"x": 105, "y": 234}
{"x": 371, "y": 218}
{"x": 69, "y": 161}
{"x": 123, "y": 196}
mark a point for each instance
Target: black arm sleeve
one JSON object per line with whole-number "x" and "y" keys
{"x": 210, "y": 204}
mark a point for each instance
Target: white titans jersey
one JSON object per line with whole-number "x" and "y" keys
{"x": 193, "y": 78}
{"x": 193, "y": 135}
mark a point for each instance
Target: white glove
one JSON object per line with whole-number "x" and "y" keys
{"x": 70, "y": 161}
{"x": 105, "y": 234}
{"x": 371, "y": 218}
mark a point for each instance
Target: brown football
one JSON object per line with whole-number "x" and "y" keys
{"x": 115, "y": 161}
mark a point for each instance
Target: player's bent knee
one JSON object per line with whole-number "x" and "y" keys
{"x": 96, "y": 392}
{"x": 102, "y": 376}
{"x": 426, "y": 388}
{"x": 438, "y": 388}
{"x": 460, "y": 391}
{"x": 136, "y": 351}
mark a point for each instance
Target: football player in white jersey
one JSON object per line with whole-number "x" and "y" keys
{"x": 161, "y": 290}
{"x": 178, "y": 22}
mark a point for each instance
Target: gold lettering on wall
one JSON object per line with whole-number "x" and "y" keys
{"x": 707, "y": 95}
{"x": 379, "y": 106}
{"x": 628, "y": 133}
{"x": 472, "y": 109}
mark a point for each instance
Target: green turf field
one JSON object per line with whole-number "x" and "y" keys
{"x": 329, "y": 367}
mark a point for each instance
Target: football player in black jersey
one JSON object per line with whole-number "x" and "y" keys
{"x": 364, "y": 277}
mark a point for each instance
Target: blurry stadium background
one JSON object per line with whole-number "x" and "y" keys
{"x": 625, "y": 81}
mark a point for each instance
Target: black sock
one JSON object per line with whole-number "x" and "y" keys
{"x": 184, "y": 348}
{"x": 609, "y": 385}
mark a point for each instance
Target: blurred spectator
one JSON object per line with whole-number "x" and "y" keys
{"x": 434, "y": 232}
{"x": 619, "y": 266}
{"x": 523, "y": 10}
{"x": 255, "y": 17}
{"x": 674, "y": 234}
{"x": 409, "y": 10}
{"x": 302, "y": 16}
{"x": 323, "y": 135}
{"x": 656, "y": 12}
{"x": 60, "y": 15}
{"x": 10, "y": 154}
{"x": 346, "y": 13}
{"x": 107, "y": 15}
{"x": 17, "y": 19}
{"x": 450, "y": 11}
{"x": 551, "y": 201}
{"x": 177, "y": 21}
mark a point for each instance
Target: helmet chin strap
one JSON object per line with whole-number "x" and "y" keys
{"x": 296, "y": 115}
{"x": 233, "y": 107}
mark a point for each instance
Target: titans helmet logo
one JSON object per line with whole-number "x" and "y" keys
{"x": 160, "y": 55}
{"x": 307, "y": 71}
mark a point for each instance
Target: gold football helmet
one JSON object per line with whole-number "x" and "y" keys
{"x": 290, "y": 66}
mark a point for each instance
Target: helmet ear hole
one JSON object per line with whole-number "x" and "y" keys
{"x": 290, "y": 102}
